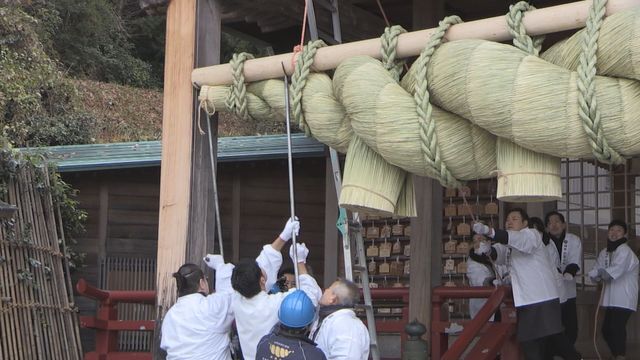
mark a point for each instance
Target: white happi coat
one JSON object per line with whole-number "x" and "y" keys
{"x": 622, "y": 265}
{"x": 554, "y": 258}
{"x": 256, "y": 317}
{"x": 197, "y": 327}
{"x": 343, "y": 336}
{"x": 570, "y": 253}
{"x": 532, "y": 273}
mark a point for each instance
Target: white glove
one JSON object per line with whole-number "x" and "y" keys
{"x": 483, "y": 248}
{"x": 289, "y": 228}
{"x": 567, "y": 276}
{"x": 593, "y": 275}
{"x": 480, "y": 228}
{"x": 213, "y": 261}
{"x": 497, "y": 282}
{"x": 301, "y": 250}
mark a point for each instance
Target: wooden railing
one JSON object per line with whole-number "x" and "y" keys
{"x": 133, "y": 273}
{"x": 106, "y": 321}
{"x": 495, "y": 337}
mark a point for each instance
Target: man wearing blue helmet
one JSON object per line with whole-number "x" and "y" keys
{"x": 288, "y": 339}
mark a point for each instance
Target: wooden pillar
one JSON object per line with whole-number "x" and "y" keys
{"x": 426, "y": 228}
{"x": 189, "y": 22}
{"x": 201, "y": 237}
{"x": 331, "y": 237}
{"x": 426, "y": 248}
{"x": 103, "y": 222}
{"x": 236, "y": 203}
{"x": 175, "y": 173}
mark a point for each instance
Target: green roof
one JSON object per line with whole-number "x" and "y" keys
{"x": 71, "y": 158}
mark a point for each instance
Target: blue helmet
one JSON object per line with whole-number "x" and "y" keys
{"x": 296, "y": 310}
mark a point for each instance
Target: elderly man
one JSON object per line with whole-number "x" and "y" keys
{"x": 256, "y": 311}
{"x": 339, "y": 333}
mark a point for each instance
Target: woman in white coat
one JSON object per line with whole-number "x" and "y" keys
{"x": 617, "y": 267}
{"x": 197, "y": 326}
{"x": 535, "y": 290}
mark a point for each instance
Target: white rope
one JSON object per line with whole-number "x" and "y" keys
{"x": 290, "y": 163}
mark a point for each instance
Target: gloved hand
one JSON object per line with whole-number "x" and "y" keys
{"x": 567, "y": 276}
{"x": 302, "y": 252}
{"x": 213, "y": 261}
{"x": 497, "y": 282}
{"x": 483, "y": 248}
{"x": 593, "y": 275}
{"x": 604, "y": 275}
{"x": 482, "y": 229}
{"x": 291, "y": 227}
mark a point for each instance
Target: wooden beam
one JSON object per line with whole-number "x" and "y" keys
{"x": 426, "y": 247}
{"x": 331, "y": 238}
{"x": 537, "y": 22}
{"x": 236, "y": 203}
{"x": 202, "y": 217}
{"x": 103, "y": 220}
{"x": 175, "y": 173}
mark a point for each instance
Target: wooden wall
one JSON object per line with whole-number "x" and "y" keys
{"x": 122, "y": 207}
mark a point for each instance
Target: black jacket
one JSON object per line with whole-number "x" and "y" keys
{"x": 281, "y": 344}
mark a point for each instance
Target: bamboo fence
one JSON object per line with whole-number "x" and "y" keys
{"x": 38, "y": 318}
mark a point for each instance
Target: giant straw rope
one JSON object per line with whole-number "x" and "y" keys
{"x": 466, "y": 109}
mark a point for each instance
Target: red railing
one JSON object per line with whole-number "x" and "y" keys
{"x": 495, "y": 337}
{"x": 394, "y": 325}
{"x": 106, "y": 321}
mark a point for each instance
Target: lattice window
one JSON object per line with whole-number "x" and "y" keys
{"x": 593, "y": 195}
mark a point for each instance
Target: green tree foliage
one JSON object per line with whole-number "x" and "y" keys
{"x": 231, "y": 44}
{"x": 147, "y": 33}
{"x": 34, "y": 95}
{"x": 91, "y": 41}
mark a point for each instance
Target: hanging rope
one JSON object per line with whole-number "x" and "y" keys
{"x": 383, "y": 13}
{"x": 521, "y": 39}
{"x": 389, "y": 40}
{"x": 588, "y": 106}
{"x": 210, "y": 110}
{"x": 298, "y": 48}
{"x": 299, "y": 80}
{"x": 429, "y": 140}
{"x": 237, "y": 97}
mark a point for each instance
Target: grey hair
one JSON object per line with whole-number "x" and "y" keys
{"x": 347, "y": 292}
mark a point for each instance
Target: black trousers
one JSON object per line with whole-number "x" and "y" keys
{"x": 538, "y": 349}
{"x": 614, "y": 329}
{"x": 570, "y": 319}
